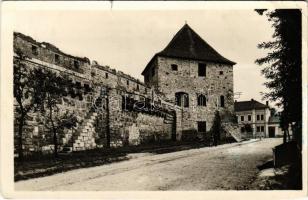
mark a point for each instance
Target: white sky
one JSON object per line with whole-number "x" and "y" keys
{"x": 127, "y": 40}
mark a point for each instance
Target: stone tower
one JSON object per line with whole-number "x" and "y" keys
{"x": 192, "y": 75}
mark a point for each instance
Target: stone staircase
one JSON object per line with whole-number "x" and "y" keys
{"x": 233, "y": 130}
{"x": 168, "y": 119}
{"x": 83, "y": 137}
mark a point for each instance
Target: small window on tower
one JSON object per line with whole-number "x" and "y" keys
{"x": 201, "y": 100}
{"x": 202, "y": 69}
{"x": 222, "y": 101}
{"x": 174, "y": 67}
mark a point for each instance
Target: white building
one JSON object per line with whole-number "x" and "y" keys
{"x": 253, "y": 118}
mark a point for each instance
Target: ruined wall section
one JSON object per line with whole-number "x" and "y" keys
{"x": 127, "y": 127}
{"x": 78, "y": 100}
{"x": 131, "y": 126}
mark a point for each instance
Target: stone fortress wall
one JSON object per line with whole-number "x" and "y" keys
{"x": 184, "y": 85}
{"x": 126, "y": 125}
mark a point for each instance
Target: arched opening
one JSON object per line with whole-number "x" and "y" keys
{"x": 201, "y": 100}
{"x": 182, "y": 99}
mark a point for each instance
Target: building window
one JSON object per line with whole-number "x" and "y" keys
{"x": 34, "y": 50}
{"x": 201, "y": 100}
{"x": 242, "y": 129}
{"x": 174, "y": 67}
{"x": 262, "y": 117}
{"x": 242, "y": 118}
{"x": 222, "y": 101}
{"x": 201, "y": 69}
{"x": 258, "y": 129}
{"x": 249, "y": 117}
{"x": 127, "y": 82}
{"x": 57, "y": 58}
{"x": 76, "y": 64}
{"x": 221, "y": 72}
{"x": 182, "y": 99}
{"x": 87, "y": 88}
{"x": 78, "y": 85}
{"x": 258, "y": 117}
{"x": 106, "y": 75}
{"x": 201, "y": 127}
{"x": 137, "y": 87}
{"x": 262, "y": 128}
{"x": 153, "y": 71}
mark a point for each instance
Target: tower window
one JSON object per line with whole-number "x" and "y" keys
{"x": 174, "y": 67}
{"x": 106, "y": 75}
{"x": 137, "y": 87}
{"x": 182, "y": 99}
{"x": 222, "y": 101}
{"x": 201, "y": 100}
{"x": 127, "y": 82}
{"x": 202, "y": 69}
{"x": 34, "y": 50}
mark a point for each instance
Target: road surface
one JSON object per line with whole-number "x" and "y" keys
{"x": 225, "y": 167}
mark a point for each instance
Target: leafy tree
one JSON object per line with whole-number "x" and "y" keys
{"x": 23, "y": 91}
{"x": 216, "y": 128}
{"x": 283, "y": 67}
{"x": 49, "y": 90}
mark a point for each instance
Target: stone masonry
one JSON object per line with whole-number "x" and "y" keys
{"x": 131, "y": 111}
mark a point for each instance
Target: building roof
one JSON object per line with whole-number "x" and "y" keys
{"x": 248, "y": 105}
{"x": 187, "y": 44}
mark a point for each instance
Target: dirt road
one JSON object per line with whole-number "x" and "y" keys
{"x": 230, "y": 166}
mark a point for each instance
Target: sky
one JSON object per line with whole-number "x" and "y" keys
{"x": 127, "y": 40}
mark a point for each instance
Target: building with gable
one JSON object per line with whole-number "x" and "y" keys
{"x": 193, "y": 75}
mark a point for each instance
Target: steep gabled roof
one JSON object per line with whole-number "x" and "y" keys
{"x": 248, "y": 105}
{"x": 187, "y": 44}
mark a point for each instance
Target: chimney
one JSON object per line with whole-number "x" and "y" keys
{"x": 252, "y": 99}
{"x": 266, "y": 103}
